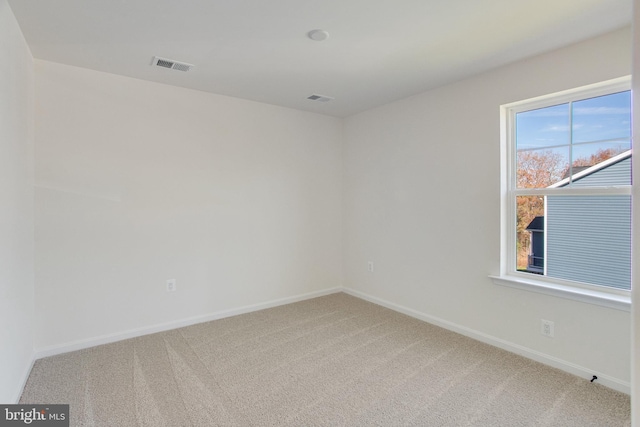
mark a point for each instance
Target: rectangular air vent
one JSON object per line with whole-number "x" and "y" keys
{"x": 170, "y": 63}
{"x": 319, "y": 98}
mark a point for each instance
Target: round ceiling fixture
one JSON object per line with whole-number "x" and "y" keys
{"x": 318, "y": 35}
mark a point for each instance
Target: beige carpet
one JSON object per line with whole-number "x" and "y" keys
{"x": 329, "y": 361}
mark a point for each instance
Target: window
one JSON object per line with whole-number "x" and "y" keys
{"x": 566, "y": 193}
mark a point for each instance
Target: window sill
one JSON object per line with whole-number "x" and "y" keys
{"x": 604, "y": 299}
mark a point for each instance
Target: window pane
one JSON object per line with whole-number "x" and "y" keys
{"x": 602, "y": 118}
{"x": 530, "y": 234}
{"x": 543, "y": 128}
{"x": 542, "y": 146}
{"x": 589, "y": 239}
{"x": 593, "y": 165}
{"x": 541, "y": 168}
{"x": 601, "y": 130}
{"x": 589, "y": 154}
{"x": 579, "y": 238}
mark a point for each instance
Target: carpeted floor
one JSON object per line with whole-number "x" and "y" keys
{"x": 329, "y": 361}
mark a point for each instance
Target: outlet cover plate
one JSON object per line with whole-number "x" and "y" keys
{"x": 547, "y": 328}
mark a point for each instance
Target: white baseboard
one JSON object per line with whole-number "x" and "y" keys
{"x": 606, "y": 380}
{"x": 132, "y": 333}
{"x": 24, "y": 378}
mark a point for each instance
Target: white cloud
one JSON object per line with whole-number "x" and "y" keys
{"x": 555, "y": 128}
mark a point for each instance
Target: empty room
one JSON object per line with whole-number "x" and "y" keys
{"x": 300, "y": 213}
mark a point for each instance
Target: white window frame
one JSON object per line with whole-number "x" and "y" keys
{"x": 509, "y": 276}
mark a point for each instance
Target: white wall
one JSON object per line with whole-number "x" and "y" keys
{"x": 16, "y": 207}
{"x": 635, "y": 338}
{"x": 422, "y": 201}
{"x": 138, "y": 182}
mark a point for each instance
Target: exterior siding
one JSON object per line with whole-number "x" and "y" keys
{"x": 589, "y": 237}
{"x": 618, "y": 174}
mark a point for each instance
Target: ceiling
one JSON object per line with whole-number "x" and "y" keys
{"x": 378, "y": 50}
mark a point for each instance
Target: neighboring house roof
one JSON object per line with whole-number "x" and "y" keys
{"x": 580, "y": 172}
{"x": 536, "y": 225}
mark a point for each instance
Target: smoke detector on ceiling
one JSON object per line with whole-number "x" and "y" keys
{"x": 319, "y": 98}
{"x": 318, "y": 35}
{"x": 171, "y": 64}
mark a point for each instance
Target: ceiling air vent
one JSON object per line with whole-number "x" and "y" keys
{"x": 170, "y": 63}
{"x": 319, "y": 98}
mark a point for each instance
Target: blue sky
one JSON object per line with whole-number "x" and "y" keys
{"x": 601, "y": 122}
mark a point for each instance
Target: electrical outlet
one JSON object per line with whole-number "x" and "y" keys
{"x": 370, "y": 266}
{"x": 171, "y": 285}
{"x": 546, "y": 328}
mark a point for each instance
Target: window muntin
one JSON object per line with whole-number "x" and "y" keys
{"x": 567, "y": 195}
